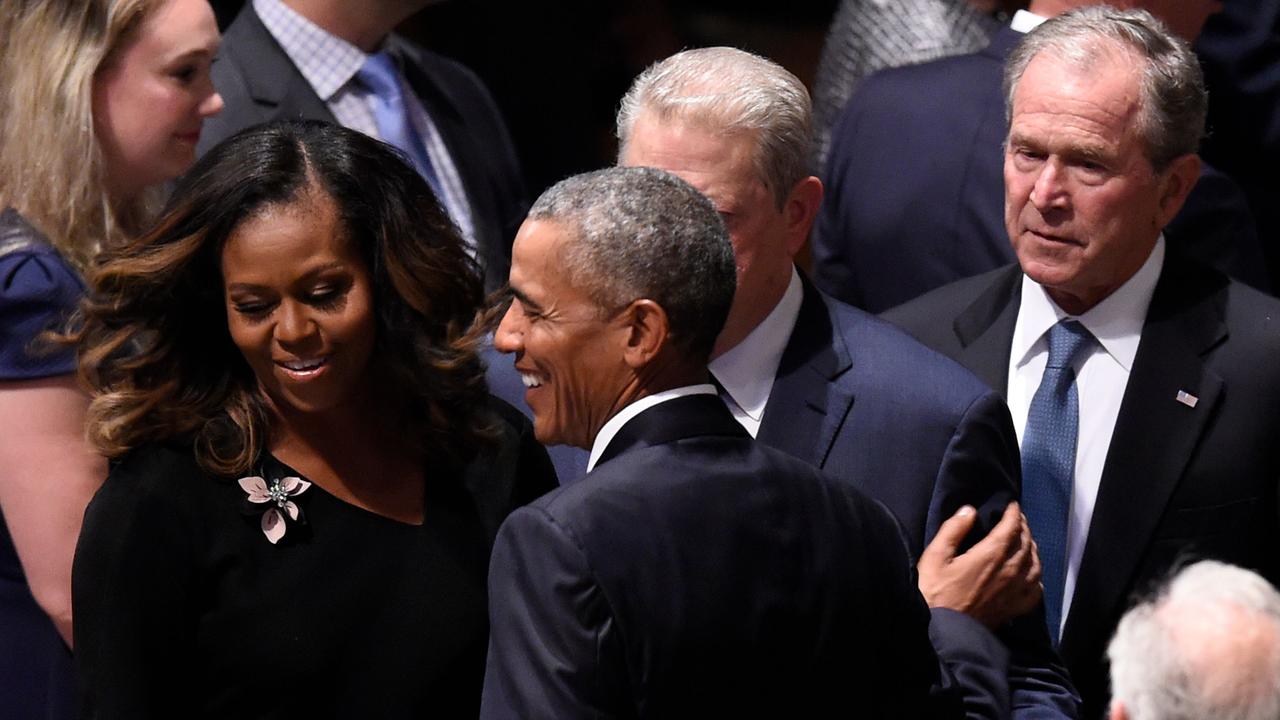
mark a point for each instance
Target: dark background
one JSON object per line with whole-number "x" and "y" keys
{"x": 557, "y": 68}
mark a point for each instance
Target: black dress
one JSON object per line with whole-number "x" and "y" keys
{"x": 184, "y": 607}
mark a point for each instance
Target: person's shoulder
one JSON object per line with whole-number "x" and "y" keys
{"x": 883, "y": 351}
{"x": 30, "y": 268}
{"x": 925, "y": 84}
{"x": 939, "y": 307}
{"x": 158, "y": 467}
{"x": 450, "y": 75}
{"x": 156, "y": 480}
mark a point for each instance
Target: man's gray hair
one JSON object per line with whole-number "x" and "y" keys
{"x": 644, "y": 233}
{"x": 1207, "y": 646}
{"x": 727, "y": 90}
{"x": 1174, "y": 101}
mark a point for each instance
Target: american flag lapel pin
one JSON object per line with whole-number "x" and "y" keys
{"x": 1187, "y": 398}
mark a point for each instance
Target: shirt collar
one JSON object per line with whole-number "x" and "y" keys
{"x": 746, "y": 371}
{"x": 326, "y": 61}
{"x": 1025, "y": 22}
{"x": 615, "y": 423}
{"x": 1116, "y": 322}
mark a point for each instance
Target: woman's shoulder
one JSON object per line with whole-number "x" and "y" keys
{"x": 510, "y": 471}
{"x": 161, "y": 474}
{"x": 38, "y": 291}
{"x": 30, "y": 268}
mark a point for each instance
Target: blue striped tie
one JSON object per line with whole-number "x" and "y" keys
{"x": 391, "y": 114}
{"x": 1049, "y": 461}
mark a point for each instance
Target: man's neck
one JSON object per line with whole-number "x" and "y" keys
{"x": 749, "y": 309}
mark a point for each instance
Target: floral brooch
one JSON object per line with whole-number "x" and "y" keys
{"x": 276, "y": 493}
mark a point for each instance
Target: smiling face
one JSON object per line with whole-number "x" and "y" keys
{"x": 150, "y": 100}
{"x": 1083, "y": 205}
{"x": 300, "y": 305}
{"x": 566, "y": 350}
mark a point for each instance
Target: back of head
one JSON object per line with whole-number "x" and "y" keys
{"x": 1174, "y": 100}
{"x": 50, "y": 161}
{"x": 643, "y": 233}
{"x": 1206, "y": 646}
{"x": 731, "y": 91}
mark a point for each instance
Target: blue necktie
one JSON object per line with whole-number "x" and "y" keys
{"x": 391, "y": 114}
{"x": 1049, "y": 461}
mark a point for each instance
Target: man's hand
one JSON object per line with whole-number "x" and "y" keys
{"x": 997, "y": 580}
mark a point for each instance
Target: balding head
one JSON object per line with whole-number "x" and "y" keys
{"x": 1207, "y": 646}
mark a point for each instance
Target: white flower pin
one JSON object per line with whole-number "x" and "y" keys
{"x": 277, "y": 493}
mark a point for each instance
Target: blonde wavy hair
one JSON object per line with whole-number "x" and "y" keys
{"x": 51, "y": 168}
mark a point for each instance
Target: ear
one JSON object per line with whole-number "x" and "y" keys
{"x": 799, "y": 211}
{"x": 1175, "y": 185}
{"x": 647, "y": 330}
{"x": 1117, "y": 711}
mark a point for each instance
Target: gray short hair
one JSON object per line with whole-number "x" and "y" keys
{"x": 1174, "y": 100}
{"x": 644, "y": 233}
{"x": 1207, "y": 646}
{"x": 730, "y": 90}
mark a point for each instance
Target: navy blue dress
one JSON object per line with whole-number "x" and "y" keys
{"x": 37, "y": 289}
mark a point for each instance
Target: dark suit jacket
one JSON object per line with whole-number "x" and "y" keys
{"x": 915, "y": 188}
{"x": 1179, "y": 482}
{"x": 697, "y": 573}
{"x": 259, "y": 83}
{"x": 864, "y": 402}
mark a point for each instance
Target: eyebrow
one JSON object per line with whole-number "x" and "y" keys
{"x": 310, "y": 275}
{"x": 524, "y": 299}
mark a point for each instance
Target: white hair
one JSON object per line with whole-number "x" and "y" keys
{"x": 729, "y": 90}
{"x": 1207, "y": 646}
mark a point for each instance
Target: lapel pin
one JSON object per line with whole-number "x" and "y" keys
{"x": 1187, "y": 398}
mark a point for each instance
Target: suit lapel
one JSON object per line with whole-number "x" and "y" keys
{"x": 684, "y": 417}
{"x": 985, "y": 329}
{"x": 804, "y": 394}
{"x": 1153, "y": 440}
{"x": 271, "y": 78}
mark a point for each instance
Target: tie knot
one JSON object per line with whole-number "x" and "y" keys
{"x": 379, "y": 74}
{"x": 1066, "y": 340}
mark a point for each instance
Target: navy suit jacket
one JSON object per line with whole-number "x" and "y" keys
{"x": 915, "y": 188}
{"x": 697, "y": 573}
{"x": 863, "y": 401}
{"x": 1179, "y": 482}
{"x": 259, "y": 83}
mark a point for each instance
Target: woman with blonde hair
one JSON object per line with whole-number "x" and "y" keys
{"x": 101, "y": 101}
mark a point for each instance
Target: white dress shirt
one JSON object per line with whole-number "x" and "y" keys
{"x": 1025, "y": 22}
{"x": 329, "y": 65}
{"x": 1101, "y": 377}
{"x": 615, "y": 423}
{"x": 747, "y": 370}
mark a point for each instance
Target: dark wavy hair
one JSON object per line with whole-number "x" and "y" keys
{"x": 153, "y": 340}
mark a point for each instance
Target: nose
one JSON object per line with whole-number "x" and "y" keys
{"x": 212, "y": 105}
{"x": 509, "y": 337}
{"x": 294, "y": 324}
{"x": 1049, "y": 189}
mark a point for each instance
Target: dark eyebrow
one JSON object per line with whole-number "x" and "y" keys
{"x": 524, "y": 299}
{"x": 311, "y": 276}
